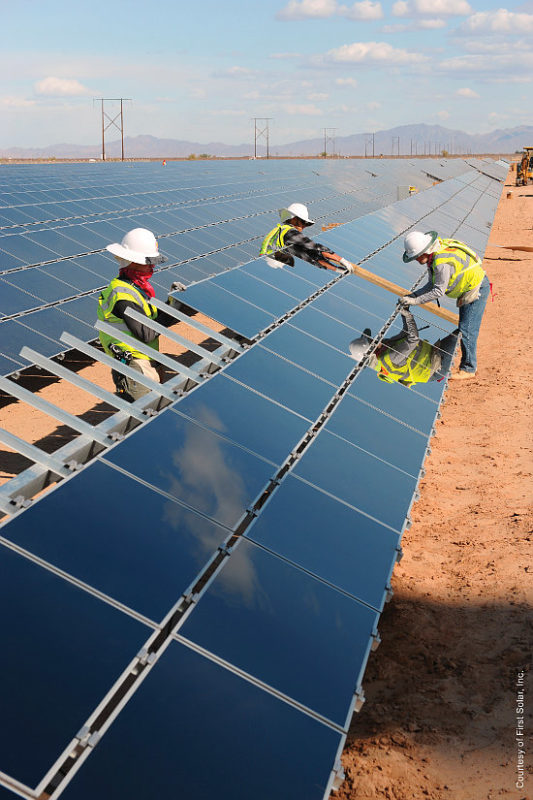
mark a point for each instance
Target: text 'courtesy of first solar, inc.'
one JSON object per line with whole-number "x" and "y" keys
{"x": 193, "y": 610}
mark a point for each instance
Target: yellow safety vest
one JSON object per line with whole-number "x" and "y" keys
{"x": 467, "y": 270}
{"x": 417, "y": 367}
{"x": 123, "y": 290}
{"x": 275, "y": 239}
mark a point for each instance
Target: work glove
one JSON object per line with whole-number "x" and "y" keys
{"x": 406, "y": 301}
{"x": 347, "y": 265}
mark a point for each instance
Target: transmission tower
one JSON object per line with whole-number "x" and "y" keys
{"x": 113, "y": 121}
{"x": 369, "y": 140}
{"x": 261, "y": 129}
{"x": 329, "y": 136}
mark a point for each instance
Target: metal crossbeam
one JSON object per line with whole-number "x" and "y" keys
{"x": 173, "y": 312}
{"x": 82, "y": 383}
{"x": 175, "y": 337}
{"x": 33, "y": 453}
{"x": 171, "y": 363}
{"x": 144, "y": 380}
{"x": 54, "y": 411}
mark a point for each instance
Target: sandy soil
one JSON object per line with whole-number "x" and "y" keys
{"x": 439, "y": 721}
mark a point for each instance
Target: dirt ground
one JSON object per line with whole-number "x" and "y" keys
{"x": 440, "y": 722}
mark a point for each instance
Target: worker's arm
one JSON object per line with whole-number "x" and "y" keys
{"x": 305, "y": 248}
{"x": 431, "y": 290}
{"x": 403, "y": 344}
{"x": 141, "y": 332}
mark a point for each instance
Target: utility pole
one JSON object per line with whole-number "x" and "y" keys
{"x": 260, "y": 131}
{"x": 113, "y": 121}
{"x": 395, "y": 141}
{"x": 329, "y": 136}
{"x": 369, "y": 137}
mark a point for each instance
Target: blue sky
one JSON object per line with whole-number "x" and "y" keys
{"x": 201, "y": 71}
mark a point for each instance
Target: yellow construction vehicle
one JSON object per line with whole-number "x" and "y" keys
{"x": 524, "y": 168}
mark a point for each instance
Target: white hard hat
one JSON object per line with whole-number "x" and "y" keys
{"x": 359, "y": 346}
{"x": 138, "y": 246}
{"x": 416, "y": 243}
{"x": 296, "y": 210}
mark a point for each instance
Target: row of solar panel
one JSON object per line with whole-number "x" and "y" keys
{"x": 26, "y": 290}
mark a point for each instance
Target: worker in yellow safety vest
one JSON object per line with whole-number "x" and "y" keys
{"x": 454, "y": 270}
{"x": 406, "y": 358}
{"x": 287, "y": 240}
{"x": 137, "y": 254}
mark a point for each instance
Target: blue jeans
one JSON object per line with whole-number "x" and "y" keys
{"x": 446, "y": 348}
{"x": 469, "y": 324}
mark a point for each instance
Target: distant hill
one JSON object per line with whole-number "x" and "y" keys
{"x": 417, "y": 139}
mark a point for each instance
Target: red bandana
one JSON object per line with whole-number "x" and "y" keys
{"x": 140, "y": 279}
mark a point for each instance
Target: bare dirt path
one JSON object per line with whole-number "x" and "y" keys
{"x": 439, "y": 722}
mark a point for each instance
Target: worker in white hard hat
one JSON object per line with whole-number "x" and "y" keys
{"x": 287, "y": 240}
{"x": 406, "y": 358}
{"x": 455, "y": 271}
{"x": 137, "y": 254}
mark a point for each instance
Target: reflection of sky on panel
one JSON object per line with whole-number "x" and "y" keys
{"x": 281, "y": 625}
{"x": 194, "y": 465}
{"x": 245, "y": 417}
{"x": 189, "y": 705}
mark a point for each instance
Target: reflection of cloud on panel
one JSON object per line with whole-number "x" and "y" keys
{"x": 204, "y": 480}
{"x": 187, "y": 524}
{"x": 238, "y": 580}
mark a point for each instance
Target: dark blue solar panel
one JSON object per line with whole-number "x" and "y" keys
{"x": 282, "y": 381}
{"x": 226, "y": 308}
{"x": 360, "y": 479}
{"x": 256, "y": 292}
{"x": 41, "y": 284}
{"x": 14, "y": 300}
{"x": 378, "y": 434}
{"x": 355, "y": 316}
{"x": 189, "y": 706}
{"x": 194, "y": 465}
{"x": 147, "y": 553}
{"x": 283, "y": 279}
{"x": 310, "y": 353}
{"x": 323, "y": 327}
{"x": 282, "y": 626}
{"x": 51, "y": 632}
{"x": 232, "y": 410}
{"x": 404, "y": 404}
{"x": 329, "y": 539}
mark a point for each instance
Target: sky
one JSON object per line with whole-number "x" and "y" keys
{"x": 201, "y": 71}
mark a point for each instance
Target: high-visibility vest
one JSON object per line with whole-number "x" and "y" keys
{"x": 467, "y": 270}
{"x": 123, "y": 290}
{"x": 415, "y": 369}
{"x": 275, "y": 239}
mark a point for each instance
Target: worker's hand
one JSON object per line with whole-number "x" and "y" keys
{"x": 348, "y": 266}
{"x": 405, "y": 311}
{"x": 406, "y": 301}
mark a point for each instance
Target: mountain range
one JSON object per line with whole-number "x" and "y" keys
{"x": 419, "y": 139}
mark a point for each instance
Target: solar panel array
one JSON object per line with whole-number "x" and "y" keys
{"x": 192, "y": 612}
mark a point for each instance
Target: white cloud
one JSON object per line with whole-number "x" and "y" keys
{"x": 500, "y": 21}
{"x": 304, "y": 110}
{"x": 431, "y": 24}
{"x": 400, "y": 9}
{"x": 308, "y": 9}
{"x": 62, "y": 87}
{"x": 433, "y": 8}
{"x": 465, "y": 92}
{"x": 227, "y": 112}
{"x": 9, "y": 101}
{"x": 317, "y": 96}
{"x": 373, "y": 52}
{"x": 398, "y": 28}
{"x": 346, "y": 82}
{"x": 512, "y": 66}
{"x": 373, "y": 105}
{"x": 363, "y": 10}
{"x": 443, "y": 114}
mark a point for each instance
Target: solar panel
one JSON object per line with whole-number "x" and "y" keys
{"x": 189, "y": 699}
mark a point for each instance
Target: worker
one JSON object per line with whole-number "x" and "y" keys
{"x": 137, "y": 253}
{"x": 287, "y": 240}
{"x": 406, "y": 358}
{"x": 454, "y": 270}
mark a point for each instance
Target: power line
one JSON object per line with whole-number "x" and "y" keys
{"x": 113, "y": 121}
{"x": 259, "y": 132}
